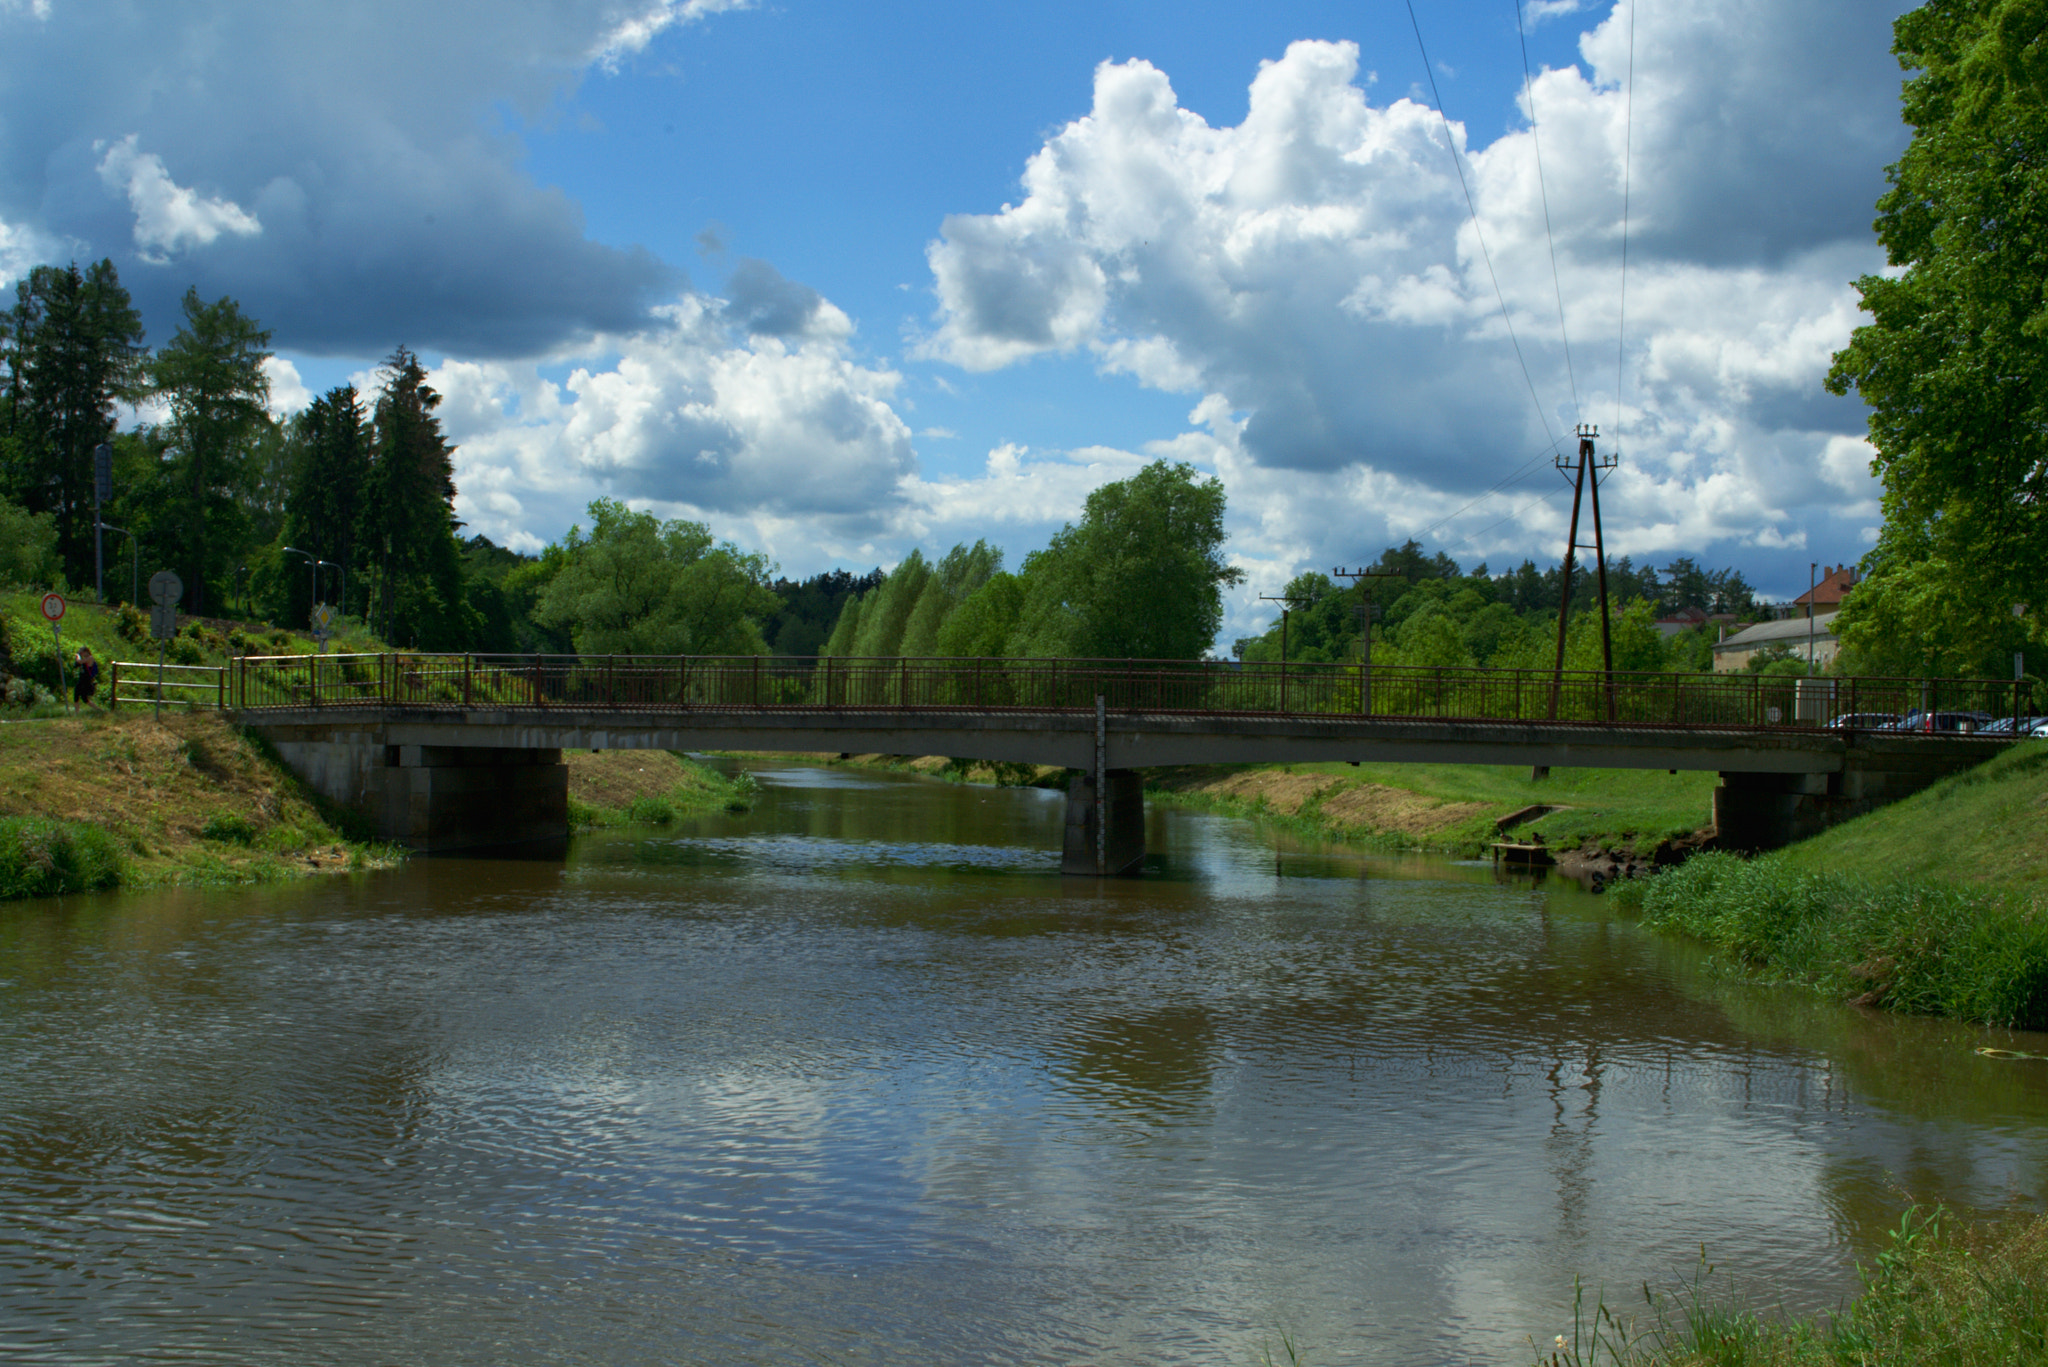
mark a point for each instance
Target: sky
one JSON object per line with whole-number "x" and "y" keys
{"x": 844, "y": 280}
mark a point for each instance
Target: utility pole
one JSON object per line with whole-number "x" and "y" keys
{"x": 1362, "y": 580}
{"x": 1584, "y": 471}
{"x": 1289, "y": 599}
{"x": 102, "y": 491}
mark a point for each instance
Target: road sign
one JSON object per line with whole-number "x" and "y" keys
{"x": 53, "y": 606}
{"x": 165, "y": 588}
{"x": 323, "y": 616}
{"x": 103, "y": 473}
{"x": 163, "y": 621}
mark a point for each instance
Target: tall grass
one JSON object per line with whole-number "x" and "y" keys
{"x": 44, "y": 858}
{"x": 1941, "y": 1294}
{"x": 1917, "y": 947}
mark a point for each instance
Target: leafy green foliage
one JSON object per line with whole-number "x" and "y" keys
{"x": 72, "y": 351}
{"x": 28, "y": 546}
{"x": 1141, "y": 576}
{"x": 639, "y": 586}
{"x": 1921, "y": 948}
{"x": 43, "y": 858}
{"x": 413, "y": 565}
{"x": 211, "y": 374}
{"x": 1954, "y": 361}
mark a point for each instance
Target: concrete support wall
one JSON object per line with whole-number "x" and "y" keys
{"x": 436, "y": 797}
{"x": 1122, "y": 812}
{"x": 1764, "y": 811}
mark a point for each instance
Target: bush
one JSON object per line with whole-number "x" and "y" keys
{"x": 231, "y": 829}
{"x": 131, "y": 624}
{"x": 43, "y": 858}
{"x": 652, "y": 811}
{"x": 1914, "y": 947}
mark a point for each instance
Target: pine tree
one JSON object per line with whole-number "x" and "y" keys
{"x": 212, "y": 374}
{"x": 72, "y": 349}
{"x": 414, "y": 562}
{"x": 329, "y": 482}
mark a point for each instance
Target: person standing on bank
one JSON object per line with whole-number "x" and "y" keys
{"x": 87, "y": 678}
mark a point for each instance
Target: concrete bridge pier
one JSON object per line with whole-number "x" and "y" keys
{"x": 1116, "y": 809}
{"x": 1765, "y": 811}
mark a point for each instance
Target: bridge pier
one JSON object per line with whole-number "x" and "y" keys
{"x": 437, "y": 797}
{"x": 1117, "y": 809}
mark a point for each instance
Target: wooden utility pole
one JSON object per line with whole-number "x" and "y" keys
{"x": 1362, "y": 580}
{"x": 1584, "y": 471}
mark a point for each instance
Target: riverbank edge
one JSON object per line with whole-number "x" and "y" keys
{"x": 1944, "y": 1290}
{"x": 1314, "y": 803}
{"x": 614, "y": 789}
{"x": 98, "y": 800}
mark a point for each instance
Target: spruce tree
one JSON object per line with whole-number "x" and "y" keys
{"x": 415, "y": 563}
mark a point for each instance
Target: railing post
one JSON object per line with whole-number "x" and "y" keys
{"x": 114, "y": 681}
{"x": 977, "y": 683}
{"x": 757, "y": 681}
{"x": 220, "y": 694}
{"x": 611, "y": 698}
{"x": 468, "y": 678}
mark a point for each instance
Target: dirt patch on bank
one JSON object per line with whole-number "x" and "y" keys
{"x": 1331, "y": 799}
{"x": 618, "y": 778}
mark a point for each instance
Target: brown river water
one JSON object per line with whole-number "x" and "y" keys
{"x": 859, "y": 1078}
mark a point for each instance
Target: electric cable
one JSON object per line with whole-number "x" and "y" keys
{"x": 1451, "y": 146}
{"x": 1543, "y": 190}
{"x": 1628, "y": 124}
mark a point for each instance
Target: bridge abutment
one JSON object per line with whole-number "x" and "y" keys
{"x": 437, "y": 797}
{"x": 1765, "y": 811}
{"x": 1120, "y": 814}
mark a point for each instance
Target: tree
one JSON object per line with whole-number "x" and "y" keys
{"x": 1953, "y": 363}
{"x": 211, "y": 374}
{"x": 72, "y": 350}
{"x": 332, "y": 443}
{"x": 28, "y": 546}
{"x": 413, "y": 563}
{"x": 639, "y": 586}
{"x": 1140, "y": 577}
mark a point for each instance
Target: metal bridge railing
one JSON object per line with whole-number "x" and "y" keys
{"x": 643, "y": 683}
{"x": 148, "y": 683}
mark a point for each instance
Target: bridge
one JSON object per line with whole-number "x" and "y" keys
{"x": 444, "y": 751}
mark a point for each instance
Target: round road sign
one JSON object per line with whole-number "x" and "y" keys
{"x": 53, "y": 606}
{"x": 165, "y": 588}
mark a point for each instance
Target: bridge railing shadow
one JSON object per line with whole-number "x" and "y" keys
{"x": 641, "y": 683}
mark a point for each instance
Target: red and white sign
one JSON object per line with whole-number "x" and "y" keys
{"x": 53, "y": 606}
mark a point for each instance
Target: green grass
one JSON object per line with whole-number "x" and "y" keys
{"x": 697, "y": 788}
{"x": 45, "y": 858}
{"x": 1941, "y": 1294}
{"x": 1623, "y": 809}
{"x": 1906, "y": 945}
{"x": 1986, "y": 827}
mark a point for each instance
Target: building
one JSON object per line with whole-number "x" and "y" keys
{"x": 1732, "y": 654}
{"x": 1827, "y": 595}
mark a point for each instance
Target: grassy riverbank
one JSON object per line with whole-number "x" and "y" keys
{"x": 102, "y": 800}
{"x": 1453, "y": 808}
{"x": 1944, "y": 1293}
{"x": 646, "y": 788}
{"x": 1936, "y": 905}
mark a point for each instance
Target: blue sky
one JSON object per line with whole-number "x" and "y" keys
{"x": 843, "y": 280}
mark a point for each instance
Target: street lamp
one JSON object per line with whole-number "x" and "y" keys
{"x": 341, "y": 607}
{"x": 134, "y": 560}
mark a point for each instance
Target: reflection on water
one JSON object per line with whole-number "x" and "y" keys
{"x": 857, "y": 1076}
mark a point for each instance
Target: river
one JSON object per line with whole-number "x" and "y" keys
{"x": 857, "y": 1077}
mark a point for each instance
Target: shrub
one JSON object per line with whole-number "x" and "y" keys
{"x": 1915, "y": 947}
{"x": 131, "y": 624}
{"x": 652, "y": 811}
{"x": 229, "y": 829}
{"x": 43, "y": 858}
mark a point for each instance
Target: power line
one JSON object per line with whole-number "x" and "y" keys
{"x": 1451, "y": 146}
{"x": 1543, "y": 190}
{"x": 1627, "y": 161}
{"x": 1514, "y": 476}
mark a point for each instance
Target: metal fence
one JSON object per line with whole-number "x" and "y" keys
{"x": 642, "y": 683}
{"x": 141, "y": 681}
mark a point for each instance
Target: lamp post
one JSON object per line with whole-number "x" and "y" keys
{"x": 134, "y": 560}
{"x": 1812, "y": 583}
{"x": 341, "y": 600}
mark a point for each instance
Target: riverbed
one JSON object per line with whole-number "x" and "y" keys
{"x": 858, "y": 1077}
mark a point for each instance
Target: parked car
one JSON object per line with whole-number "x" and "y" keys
{"x": 2028, "y": 726}
{"x": 1959, "y": 723}
{"x": 1864, "y": 721}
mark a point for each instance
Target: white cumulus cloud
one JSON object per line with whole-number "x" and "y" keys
{"x": 168, "y": 216}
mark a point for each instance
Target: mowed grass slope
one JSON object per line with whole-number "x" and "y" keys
{"x": 1453, "y": 807}
{"x": 1987, "y": 827}
{"x": 187, "y": 800}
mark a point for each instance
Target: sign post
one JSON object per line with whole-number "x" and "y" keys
{"x": 165, "y": 589}
{"x": 102, "y": 494}
{"x": 323, "y": 624}
{"x": 53, "y": 613}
